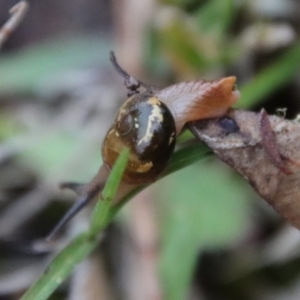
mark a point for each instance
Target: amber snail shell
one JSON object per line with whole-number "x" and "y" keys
{"x": 146, "y": 126}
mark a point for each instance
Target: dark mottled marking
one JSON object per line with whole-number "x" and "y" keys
{"x": 228, "y": 125}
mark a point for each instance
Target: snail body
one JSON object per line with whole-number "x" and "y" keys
{"x": 197, "y": 100}
{"x": 148, "y": 124}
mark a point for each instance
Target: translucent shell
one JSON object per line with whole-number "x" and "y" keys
{"x": 146, "y": 126}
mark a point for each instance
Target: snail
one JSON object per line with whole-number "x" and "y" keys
{"x": 148, "y": 123}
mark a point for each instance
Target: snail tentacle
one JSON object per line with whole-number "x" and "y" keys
{"x": 132, "y": 85}
{"x": 86, "y": 193}
{"x": 76, "y": 187}
{"x": 77, "y": 206}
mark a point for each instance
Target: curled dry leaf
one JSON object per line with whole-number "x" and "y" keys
{"x": 264, "y": 149}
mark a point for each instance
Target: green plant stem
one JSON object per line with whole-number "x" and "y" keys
{"x": 101, "y": 214}
{"x": 61, "y": 267}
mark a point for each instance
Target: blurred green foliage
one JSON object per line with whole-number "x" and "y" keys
{"x": 198, "y": 216}
{"x": 273, "y": 77}
{"x": 194, "y": 43}
{"x": 21, "y": 72}
{"x": 203, "y": 206}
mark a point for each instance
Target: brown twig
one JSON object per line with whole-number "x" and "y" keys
{"x": 17, "y": 14}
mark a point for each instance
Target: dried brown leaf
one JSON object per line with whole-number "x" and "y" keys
{"x": 239, "y": 141}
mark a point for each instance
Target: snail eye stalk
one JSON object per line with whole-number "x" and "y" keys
{"x": 132, "y": 85}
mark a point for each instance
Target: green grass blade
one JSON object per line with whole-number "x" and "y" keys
{"x": 61, "y": 267}
{"x": 185, "y": 136}
{"x": 271, "y": 78}
{"x": 101, "y": 214}
{"x": 187, "y": 156}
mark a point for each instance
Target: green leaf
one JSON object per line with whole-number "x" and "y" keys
{"x": 188, "y": 156}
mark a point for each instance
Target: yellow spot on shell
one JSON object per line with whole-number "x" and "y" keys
{"x": 143, "y": 168}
